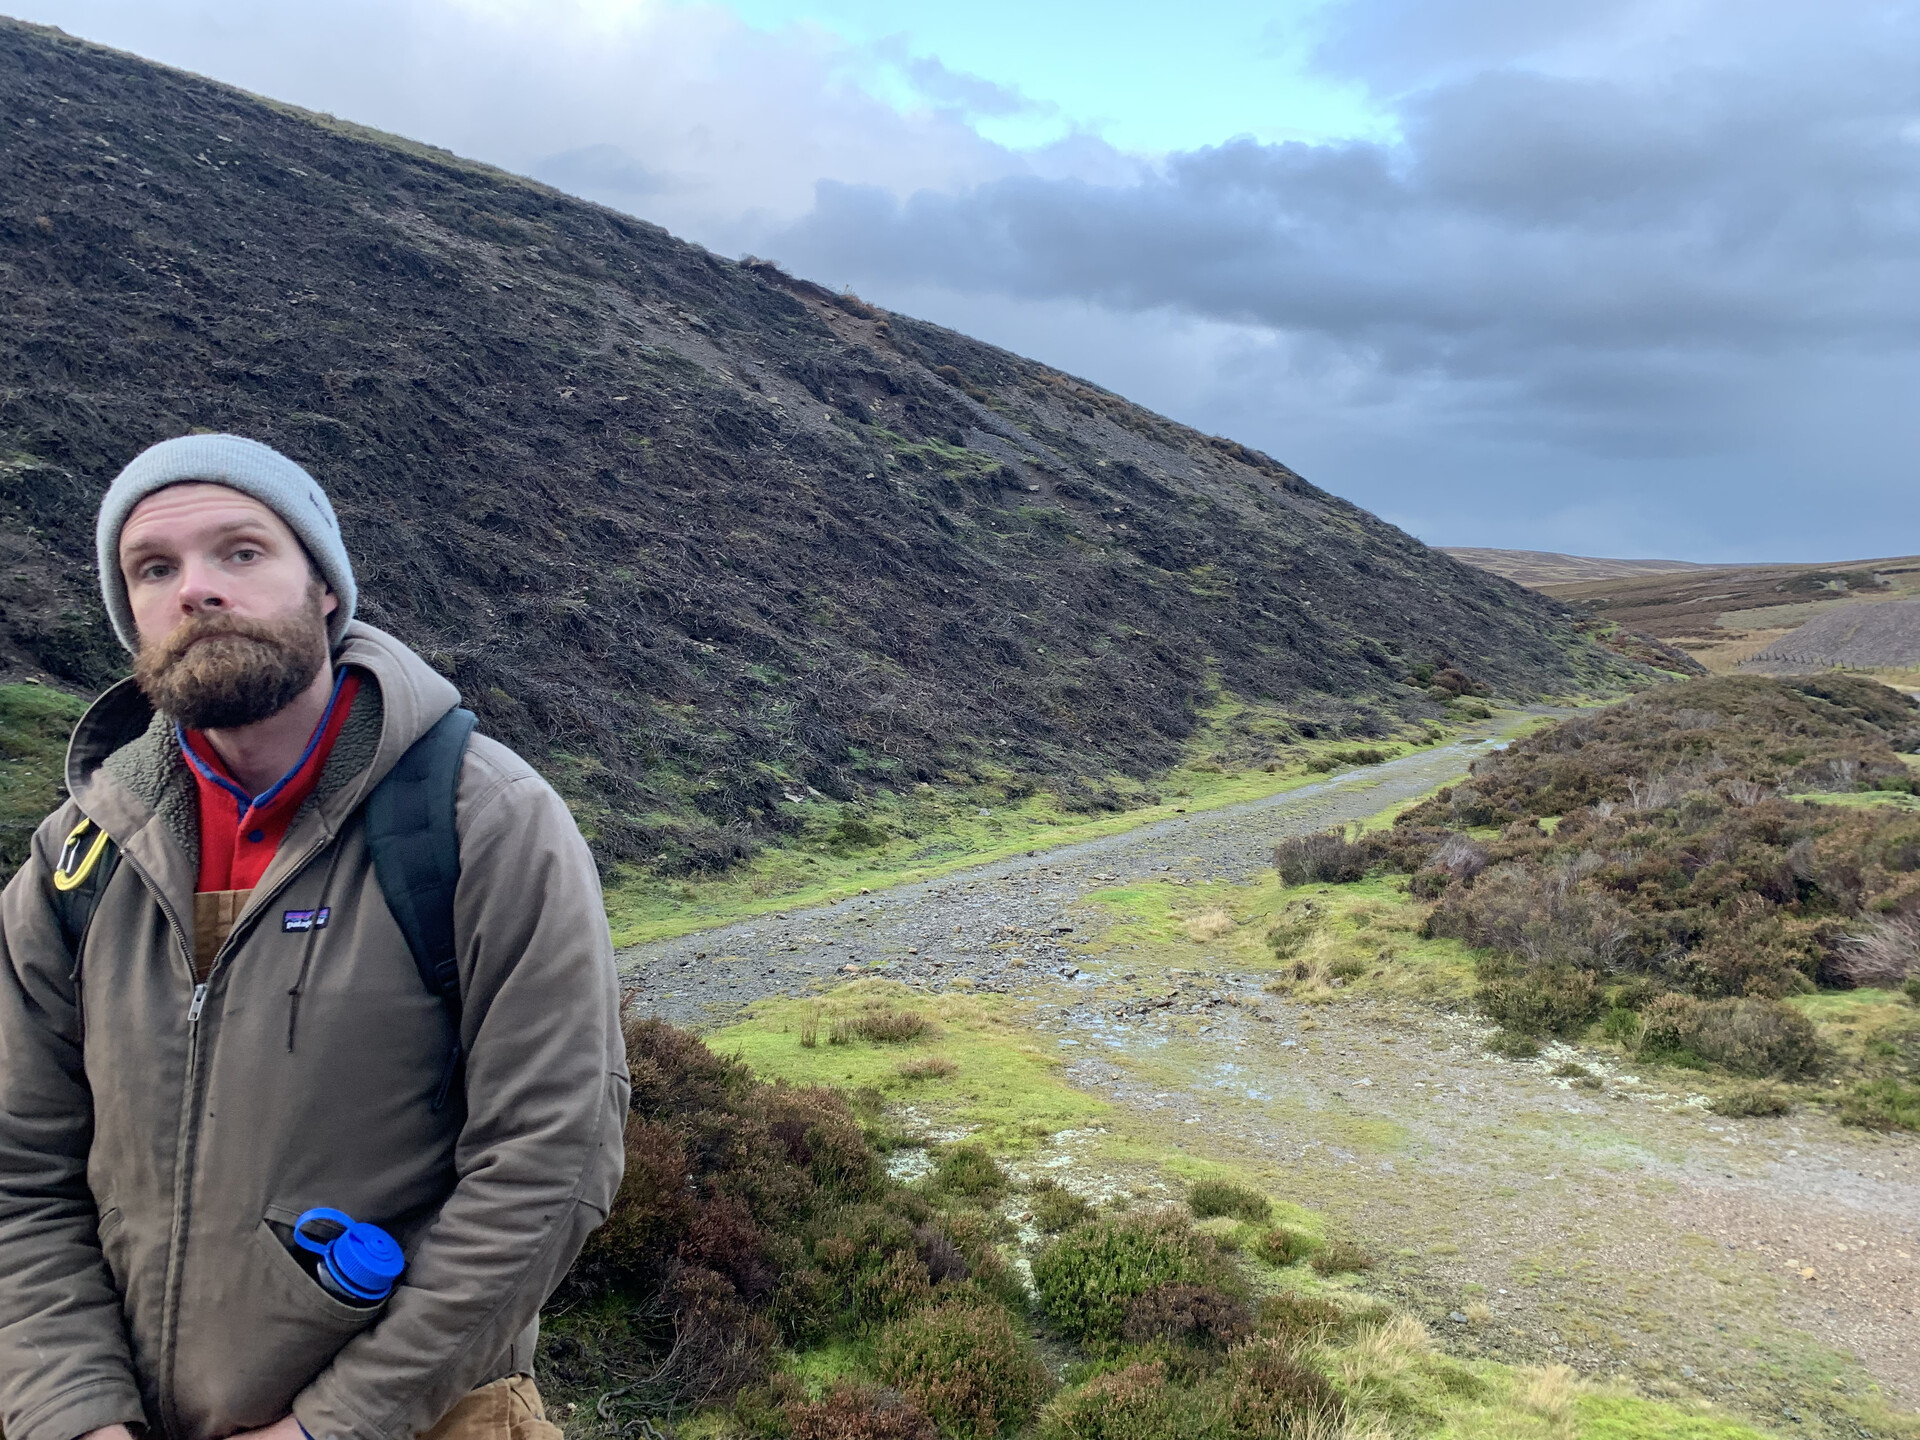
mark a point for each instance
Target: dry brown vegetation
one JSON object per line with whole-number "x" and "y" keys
{"x": 1646, "y": 869}
{"x": 1687, "y": 605}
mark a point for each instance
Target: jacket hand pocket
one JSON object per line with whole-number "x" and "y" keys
{"x": 300, "y": 1295}
{"x": 266, "y": 1328}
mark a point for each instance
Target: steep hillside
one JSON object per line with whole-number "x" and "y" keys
{"x": 692, "y": 534}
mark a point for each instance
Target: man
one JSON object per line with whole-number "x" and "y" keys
{"x": 241, "y": 1033}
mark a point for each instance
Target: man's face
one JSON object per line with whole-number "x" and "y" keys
{"x": 231, "y": 617}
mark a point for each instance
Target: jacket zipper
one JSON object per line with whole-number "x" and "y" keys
{"x": 189, "y": 1128}
{"x": 170, "y": 1315}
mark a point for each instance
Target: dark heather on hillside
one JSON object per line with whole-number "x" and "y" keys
{"x": 688, "y": 533}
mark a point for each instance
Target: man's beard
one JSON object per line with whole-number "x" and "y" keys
{"x": 249, "y": 670}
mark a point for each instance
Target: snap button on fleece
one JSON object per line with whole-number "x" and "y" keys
{"x": 256, "y": 836}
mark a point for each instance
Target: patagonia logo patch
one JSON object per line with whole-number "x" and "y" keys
{"x": 295, "y": 922}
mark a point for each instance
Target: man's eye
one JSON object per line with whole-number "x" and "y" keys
{"x": 246, "y": 555}
{"x": 155, "y": 570}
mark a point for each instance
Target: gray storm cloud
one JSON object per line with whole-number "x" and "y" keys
{"x": 1659, "y": 309}
{"x": 1522, "y": 217}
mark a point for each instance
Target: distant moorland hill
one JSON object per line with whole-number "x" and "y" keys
{"x": 1725, "y": 617}
{"x": 1547, "y": 567}
{"x": 694, "y": 535}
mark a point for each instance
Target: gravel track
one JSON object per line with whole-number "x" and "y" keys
{"x": 934, "y": 932}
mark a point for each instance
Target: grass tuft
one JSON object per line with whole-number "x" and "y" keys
{"x": 1222, "y": 1197}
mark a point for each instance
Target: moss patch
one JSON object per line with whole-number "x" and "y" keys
{"x": 1315, "y": 941}
{"x": 1005, "y": 1089}
{"x": 35, "y": 721}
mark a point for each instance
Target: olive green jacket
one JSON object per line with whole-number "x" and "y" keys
{"x": 156, "y": 1143}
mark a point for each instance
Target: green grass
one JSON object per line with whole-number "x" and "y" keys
{"x": 35, "y": 721}
{"x": 1861, "y": 799}
{"x": 934, "y": 830}
{"x": 1006, "y": 1088}
{"x": 1365, "y": 936}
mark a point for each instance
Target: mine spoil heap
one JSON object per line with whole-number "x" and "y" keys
{"x": 1882, "y": 635}
{"x": 687, "y": 532}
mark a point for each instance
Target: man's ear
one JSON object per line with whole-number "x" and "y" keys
{"x": 329, "y": 601}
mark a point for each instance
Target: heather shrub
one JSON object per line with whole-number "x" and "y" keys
{"x": 1457, "y": 682}
{"x": 1222, "y": 1197}
{"x": 1195, "y": 1315}
{"x": 968, "y": 1169}
{"x": 1137, "y": 1403}
{"x": 1273, "y": 1393}
{"x": 858, "y": 1412}
{"x": 1321, "y": 858}
{"x": 1361, "y": 755}
{"x": 971, "y": 1234}
{"x": 942, "y": 1258}
{"x": 1748, "y": 1037}
{"x": 1545, "y": 917}
{"x": 1085, "y": 1278}
{"x": 703, "y": 1246}
{"x": 1056, "y": 1208}
{"x": 963, "y": 1363}
{"x": 1552, "y": 1000}
{"x": 869, "y": 1262}
{"x": 1461, "y": 857}
{"x": 1461, "y": 807}
{"x": 1676, "y": 858}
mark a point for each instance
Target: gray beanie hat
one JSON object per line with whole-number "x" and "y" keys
{"x": 240, "y": 464}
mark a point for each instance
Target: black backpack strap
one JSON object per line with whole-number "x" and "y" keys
{"x": 87, "y": 862}
{"x": 416, "y": 856}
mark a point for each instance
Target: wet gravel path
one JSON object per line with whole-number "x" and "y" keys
{"x": 936, "y": 932}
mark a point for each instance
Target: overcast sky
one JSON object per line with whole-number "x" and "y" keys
{"x": 1615, "y": 277}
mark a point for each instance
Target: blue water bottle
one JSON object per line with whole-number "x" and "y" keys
{"x": 355, "y": 1263}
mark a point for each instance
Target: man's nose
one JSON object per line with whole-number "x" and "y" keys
{"x": 200, "y": 588}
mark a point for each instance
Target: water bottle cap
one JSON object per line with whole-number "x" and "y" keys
{"x": 366, "y": 1260}
{"x": 363, "y": 1258}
